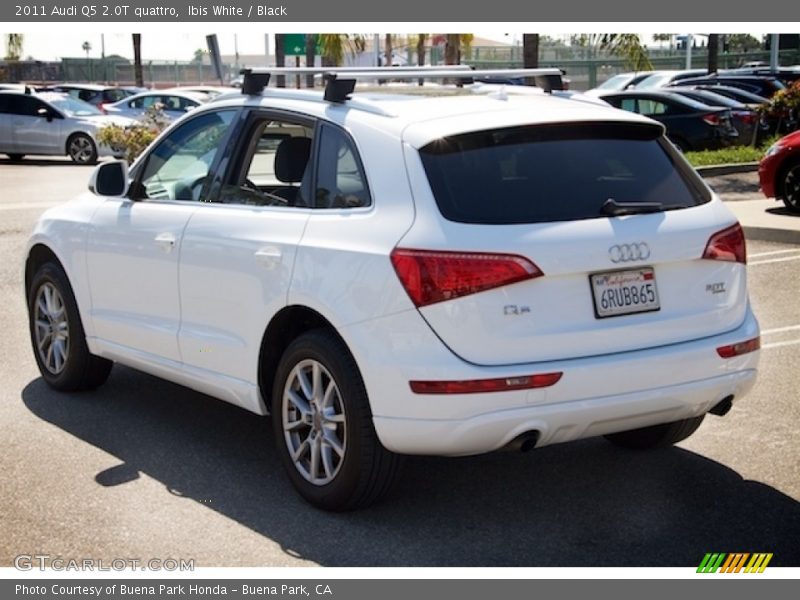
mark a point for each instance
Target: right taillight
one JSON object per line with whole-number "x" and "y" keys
{"x": 712, "y": 119}
{"x": 431, "y": 276}
{"x": 728, "y": 245}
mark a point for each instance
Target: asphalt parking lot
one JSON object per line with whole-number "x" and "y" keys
{"x": 141, "y": 468}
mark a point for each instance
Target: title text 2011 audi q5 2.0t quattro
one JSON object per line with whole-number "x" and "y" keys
{"x": 405, "y": 275}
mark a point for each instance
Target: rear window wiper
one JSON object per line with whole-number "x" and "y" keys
{"x": 612, "y": 208}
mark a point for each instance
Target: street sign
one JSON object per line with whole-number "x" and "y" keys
{"x": 294, "y": 44}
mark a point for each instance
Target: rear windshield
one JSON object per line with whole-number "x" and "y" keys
{"x": 539, "y": 174}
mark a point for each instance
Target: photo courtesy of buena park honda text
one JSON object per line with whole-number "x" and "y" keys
{"x": 300, "y": 302}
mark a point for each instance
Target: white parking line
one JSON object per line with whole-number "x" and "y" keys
{"x": 780, "y": 329}
{"x": 26, "y": 205}
{"x": 773, "y": 253}
{"x": 774, "y": 260}
{"x": 780, "y": 344}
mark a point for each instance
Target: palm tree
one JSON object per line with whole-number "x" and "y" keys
{"x": 388, "y": 51}
{"x": 421, "y": 39}
{"x": 87, "y": 47}
{"x": 137, "y": 59}
{"x": 280, "y": 57}
{"x": 713, "y": 52}
{"x": 331, "y": 45}
{"x": 530, "y": 50}
{"x": 311, "y": 47}
{"x": 627, "y": 45}
{"x": 451, "y": 49}
{"x": 13, "y": 46}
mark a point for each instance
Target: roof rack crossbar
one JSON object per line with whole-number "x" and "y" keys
{"x": 336, "y": 90}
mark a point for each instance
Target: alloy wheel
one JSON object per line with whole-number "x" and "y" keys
{"x": 314, "y": 424}
{"x": 51, "y": 330}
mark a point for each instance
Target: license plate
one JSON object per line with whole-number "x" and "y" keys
{"x": 618, "y": 293}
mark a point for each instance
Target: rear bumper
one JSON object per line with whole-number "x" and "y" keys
{"x": 562, "y": 422}
{"x": 595, "y": 396}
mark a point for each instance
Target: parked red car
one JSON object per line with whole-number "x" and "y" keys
{"x": 779, "y": 171}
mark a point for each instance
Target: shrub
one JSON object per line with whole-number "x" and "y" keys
{"x": 133, "y": 139}
{"x": 784, "y": 106}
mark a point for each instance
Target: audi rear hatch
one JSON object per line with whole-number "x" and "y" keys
{"x": 561, "y": 241}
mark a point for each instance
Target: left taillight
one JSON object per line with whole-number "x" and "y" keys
{"x": 727, "y": 245}
{"x": 734, "y": 350}
{"x": 431, "y": 276}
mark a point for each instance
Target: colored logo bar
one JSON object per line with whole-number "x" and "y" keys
{"x": 736, "y": 562}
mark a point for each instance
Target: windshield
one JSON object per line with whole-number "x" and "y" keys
{"x": 616, "y": 82}
{"x": 75, "y": 108}
{"x": 657, "y": 80}
{"x": 539, "y": 174}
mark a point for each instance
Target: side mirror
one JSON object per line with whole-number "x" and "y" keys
{"x": 43, "y": 112}
{"x": 110, "y": 179}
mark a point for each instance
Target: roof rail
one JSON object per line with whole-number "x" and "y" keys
{"x": 255, "y": 80}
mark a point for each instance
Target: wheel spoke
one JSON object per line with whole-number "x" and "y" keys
{"x": 314, "y": 467}
{"x": 294, "y": 425}
{"x": 316, "y": 382}
{"x": 298, "y": 402}
{"x": 330, "y": 392}
{"x": 300, "y": 450}
{"x": 58, "y": 354}
{"x": 49, "y": 358}
{"x": 48, "y": 300}
{"x": 327, "y": 459}
{"x": 305, "y": 384}
{"x": 333, "y": 442}
{"x": 334, "y": 418}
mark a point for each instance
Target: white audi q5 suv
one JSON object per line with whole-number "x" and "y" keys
{"x": 404, "y": 274}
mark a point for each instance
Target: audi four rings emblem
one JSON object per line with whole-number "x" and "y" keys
{"x": 629, "y": 252}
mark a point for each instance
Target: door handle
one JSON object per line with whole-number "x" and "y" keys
{"x": 165, "y": 241}
{"x": 269, "y": 256}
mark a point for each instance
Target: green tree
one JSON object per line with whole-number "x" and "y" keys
{"x": 138, "y": 73}
{"x": 198, "y": 56}
{"x": 13, "y": 46}
{"x": 741, "y": 43}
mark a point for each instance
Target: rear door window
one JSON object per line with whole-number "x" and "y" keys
{"x": 537, "y": 174}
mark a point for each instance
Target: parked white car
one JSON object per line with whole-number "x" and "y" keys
{"x": 174, "y": 104}
{"x": 53, "y": 124}
{"x": 405, "y": 275}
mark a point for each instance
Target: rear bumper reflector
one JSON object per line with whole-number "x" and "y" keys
{"x": 477, "y": 386}
{"x": 741, "y": 348}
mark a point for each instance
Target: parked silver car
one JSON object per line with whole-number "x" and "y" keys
{"x": 174, "y": 104}
{"x": 52, "y": 124}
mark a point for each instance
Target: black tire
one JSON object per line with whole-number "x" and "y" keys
{"x": 364, "y": 471}
{"x": 82, "y": 149}
{"x": 79, "y": 369}
{"x": 657, "y": 436}
{"x": 16, "y": 157}
{"x": 788, "y": 186}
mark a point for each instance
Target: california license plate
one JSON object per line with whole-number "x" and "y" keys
{"x": 625, "y": 292}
